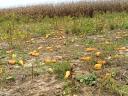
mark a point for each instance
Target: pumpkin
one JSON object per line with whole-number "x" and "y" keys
{"x": 12, "y": 62}
{"x": 47, "y": 36}
{"x": 21, "y": 62}
{"x": 101, "y": 62}
{"x": 90, "y": 49}
{"x": 13, "y": 55}
{"x": 98, "y": 54}
{"x": 47, "y": 60}
{"x": 86, "y": 58}
{"x": 34, "y": 53}
{"x": 50, "y": 70}
{"x": 67, "y": 74}
{"x": 98, "y": 66}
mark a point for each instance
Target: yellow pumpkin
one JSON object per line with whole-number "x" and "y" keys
{"x": 98, "y": 54}
{"x": 86, "y": 58}
{"x": 47, "y": 60}
{"x": 13, "y": 55}
{"x": 98, "y": 66}
{"x": 34, "y": 53}
{"x": 90, "y": 49}
{"x": 67, "y": 74}
{"x": 101, "y": 62}
{"x": 50, "y": 70}
{"x": 21, "y": 62}
{"x": 47, "y": 36}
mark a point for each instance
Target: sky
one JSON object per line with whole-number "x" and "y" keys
{"x": 20, "y": 3}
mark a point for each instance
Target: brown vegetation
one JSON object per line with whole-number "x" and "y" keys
{"x": 82, "y": 8}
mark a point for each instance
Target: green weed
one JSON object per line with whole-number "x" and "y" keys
{"x": 61, "y": 68}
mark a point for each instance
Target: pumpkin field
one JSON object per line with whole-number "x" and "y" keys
{"x": 69, "y": 54}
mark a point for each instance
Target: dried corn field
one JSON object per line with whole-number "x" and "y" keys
{"x": 82, "y": 8}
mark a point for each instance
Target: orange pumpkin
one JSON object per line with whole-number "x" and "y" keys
{"x": 98, "y": 66}
{"x": 12, "y": 61}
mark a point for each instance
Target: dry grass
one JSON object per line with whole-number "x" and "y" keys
{"x": 82, "y": 8}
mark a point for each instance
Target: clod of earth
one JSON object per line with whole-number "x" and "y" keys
{"x": 49, "y": 48}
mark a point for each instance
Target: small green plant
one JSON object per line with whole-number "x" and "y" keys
{"x": 89, "y": 79}
{"x": 10, "y": 78}
{"x": 61, "y": 68}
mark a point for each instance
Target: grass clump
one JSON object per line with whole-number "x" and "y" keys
{"x": 61, "y": 68}
{"x": 114, "y": 86}
{"x": 71, "y": 88}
